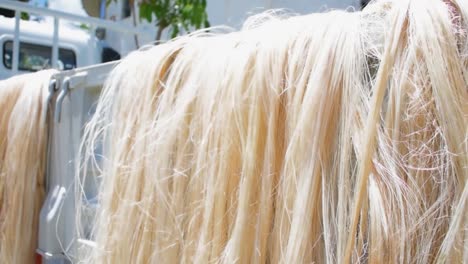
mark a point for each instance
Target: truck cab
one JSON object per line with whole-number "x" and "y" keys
{"x": 77, "y": 48}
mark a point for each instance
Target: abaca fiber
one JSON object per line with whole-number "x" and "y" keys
{"x": 23, "y": 142}
{"x": 336, "y": 137}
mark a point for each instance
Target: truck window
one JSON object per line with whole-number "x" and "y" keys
{"x": 126, "y": 9}
{"x": 34, "y": 57}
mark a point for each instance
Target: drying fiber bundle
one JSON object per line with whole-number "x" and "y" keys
{"x": 23, "y": 135}
{"x": 338, "y": 137}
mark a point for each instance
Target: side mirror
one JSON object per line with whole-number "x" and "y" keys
{"x": 109, "y": 54}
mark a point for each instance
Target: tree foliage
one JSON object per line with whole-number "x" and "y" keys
{"x": 176, "y": 15}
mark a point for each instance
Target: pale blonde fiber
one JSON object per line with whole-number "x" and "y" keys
{"x": 23, "y": 135}
{"x": 338, "y": 137}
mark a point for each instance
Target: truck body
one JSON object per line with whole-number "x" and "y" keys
{"x": 36, "y": 45}
{"x": 76, "y": 47}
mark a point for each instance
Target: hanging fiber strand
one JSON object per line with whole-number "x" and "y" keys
{"x": 338, "y": 137}
{"x": 23, "y": 136}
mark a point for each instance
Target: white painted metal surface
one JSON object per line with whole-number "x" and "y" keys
{"x": 16, "y": 43}
{"x": 80, "y": 90}
{"x": 53, "y": 33}
{"x": 55, "y": 40}
{"x": 43, "y": 33}
{"x": 67, "y": 16}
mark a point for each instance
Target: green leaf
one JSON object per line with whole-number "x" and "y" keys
{"x": 175, "y": 31}
{"x": 24, "y": 16}
{"x": 187, "y": 9}
{"x": 176, "y": 14}
{"x": 146, "y": 12}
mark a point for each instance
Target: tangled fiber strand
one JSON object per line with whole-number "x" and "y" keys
{"x": 23, "y": 136}
{"x": 329, "y": 138}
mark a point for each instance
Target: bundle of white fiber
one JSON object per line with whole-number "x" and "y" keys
{"x": 327, "y": 138}
{"x": 23, "y": 135}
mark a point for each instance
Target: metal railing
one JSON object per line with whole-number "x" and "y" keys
{"x": 19, "y": 7}
{"x": 58, "y": 242}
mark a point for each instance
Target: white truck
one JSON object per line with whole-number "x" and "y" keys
{"x": 30, "y": 46}
{"x": 27, "y": 46}
{"x": 72, "y": 101}
{"x": 76, "y": 47}
{"x": 52, "y": 43}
